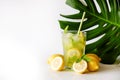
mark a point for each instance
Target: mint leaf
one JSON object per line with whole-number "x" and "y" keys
{"x": 78, "y": 60}
{"x": 72, "y": 59}
{"x": 87, "y": 58}
{"x": 84, "y": 57}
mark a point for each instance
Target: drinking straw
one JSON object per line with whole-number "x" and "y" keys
{"x": 66, "y": 29}
{"x": 81, "y": 23}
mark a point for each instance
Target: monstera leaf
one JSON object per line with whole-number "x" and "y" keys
{"x": 106, "y": 17}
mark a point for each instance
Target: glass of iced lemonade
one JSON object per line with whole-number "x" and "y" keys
{"x": 73, "y": 46}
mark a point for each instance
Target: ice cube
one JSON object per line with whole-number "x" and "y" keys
{"x": 67, "y": 43}
{"x": 69, "y": 35}
{"x": 76, "y": 38}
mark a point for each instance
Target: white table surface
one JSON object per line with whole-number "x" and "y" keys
{"x": 106, "y": 72}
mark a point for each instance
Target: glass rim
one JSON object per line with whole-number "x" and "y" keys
{"x": 73, "y": 31}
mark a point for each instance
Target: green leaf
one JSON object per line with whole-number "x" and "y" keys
{"x": 78, "y": 60}
{"x": 84, "y": 57}
{"x": 108, "y": 26}
{"x": 87, "y": 58}
{"x": 72, "y": 59}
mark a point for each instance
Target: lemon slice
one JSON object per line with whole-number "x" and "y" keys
{"x": 80, "y": 67}
{"x": 52, "y": 57}
{"x": 74, "y": 52}
{"x": 71, "y": 56}
{"x": 57, "y": 63}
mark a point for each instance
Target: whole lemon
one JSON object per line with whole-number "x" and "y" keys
{"x": 94, "y": 55}
{"x": 93, "y": 65}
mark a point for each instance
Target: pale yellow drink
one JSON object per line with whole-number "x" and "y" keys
{"x": 73, "y": 46}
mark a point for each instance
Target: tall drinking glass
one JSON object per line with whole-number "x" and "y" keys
{"x": 73, "y": 46}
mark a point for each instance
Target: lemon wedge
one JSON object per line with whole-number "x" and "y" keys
{"x": 80, "y": 67}
{"x": 57, "y": 63}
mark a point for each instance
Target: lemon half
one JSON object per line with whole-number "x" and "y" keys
{"x": 57, "y": 63}
{"x": 80, "y": 67}
{"x": 52, "y": 57}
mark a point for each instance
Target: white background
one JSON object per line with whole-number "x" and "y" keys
{"x": 29, "y": 34}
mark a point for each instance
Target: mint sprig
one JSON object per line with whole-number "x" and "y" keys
{"x": 72, "y": 59}
{"x": 87, "y": 58}
{"x": 84, "y": 57}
